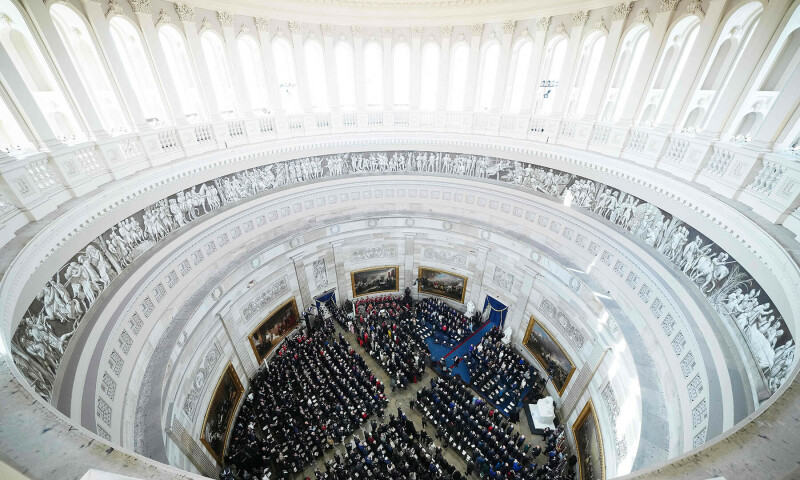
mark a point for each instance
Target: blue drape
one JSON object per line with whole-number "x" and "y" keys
{"x": 497, "y": 311}
{"x": 325, "y": 297}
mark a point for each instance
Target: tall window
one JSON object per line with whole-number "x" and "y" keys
{"x": 521, "y": 62}
{"x": 345, "y": 73}
{"x": 18, "y": 42}
{"x": 315, "y": 70}
{"x": 586, "y": 74}
{"x": 625, "y": 71}
{"x": 373, "y": 72}
{"x": 84, "y": 56}
{"x": 181, "y": 71}
{"x": 284, "y": 69}
{"x": 12, "y": 138}
{"x": 670, "y": 66}
{"x": 551, "y": 77}
{"x": 429, "y": 80}
{"x": 402, "y": 75}
{"x": 138, "y": 68}
{"x": 459, "y": 64}
{"x": 253, "y": 71}
{"x": 488, "y": 76}
{"x": 217, "y": 62}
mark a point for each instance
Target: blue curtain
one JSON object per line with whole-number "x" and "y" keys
{"x": 325, "y": 297}
{"x": 497, "y": 311}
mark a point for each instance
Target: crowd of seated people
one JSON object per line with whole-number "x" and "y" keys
{"x": 391, "y": 343}
{"x": 314, "y": 392}
{"x": 448, "y": 324}
{"x": 393, "y": 450}
{"x": 499, "y": 373}
{"x": 486, "y": 439}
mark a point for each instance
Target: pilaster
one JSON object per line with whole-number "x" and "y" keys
{"x": 501, "y": 80}
{"x": 444, "y": 68}
{"x": 243, "y": 100}
{"x": 472, "y": 69}
{"x": 201, "y": 68}
{"x": 301, "y": 74}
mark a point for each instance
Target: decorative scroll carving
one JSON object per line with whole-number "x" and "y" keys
{"x": 140, "y": 6}
{"x": 644, "y": 17}
{"x": 114, "y": 8}
{"x": 357, "y": 30}
{"x": 600, "y": 24}
{"x": 326, "y": 29}
{"x": 502, "y": 279}
{"x": 665, "y": 6}
{"x": 446, "y": 30}
{"x": 295, "y": 26}
{"x": 262, "y": 24}
{"x": 695, "y": 7}
{"x": 572, "y": 332}
{"x": 373, "y": 253}
{"x": 199, "y": 380}
{"x": 579, "y": 19}
{"x": 320, "y": 273}
{"x": 621, "y": 11}
{"x": 185, "y": 12}
{"x": 543, "y": 24}
{"x": 268, "y": 295}
{"x": 443, "y": 256}
{"x": 225, "y": 18}
{"x": 509, "y": 26}
{"x": 476, "y": 29}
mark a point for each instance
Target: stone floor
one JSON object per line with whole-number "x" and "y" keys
{"x": 400, "y": 398}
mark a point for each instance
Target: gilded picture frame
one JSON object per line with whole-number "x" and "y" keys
{"x": 373, "y": 280}
{"x": 221, "y": 411}
{"x": 274, "y": 328}
{"x": 590, "y": 457}
{"x": 430, "y": 277}
{"x": 544, "y": 341}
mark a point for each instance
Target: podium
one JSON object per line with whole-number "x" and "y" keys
{"x": 543, "y": 414}
{"x": 507, "y": 335}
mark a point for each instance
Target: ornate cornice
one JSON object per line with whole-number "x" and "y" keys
{"x": 667, "y": 5}
{"x": 140, "y": 6}
{"x": 509, "y": 26}
{"x": 543, "y": 24}
{"x": 225, "y": 18}
{"x": 579, "y": 19}
{"x": 185, "y": 12}
{"x": 262, "y": 23}
{"x": 621, "y": 11}
{"x": 476, "y": 29}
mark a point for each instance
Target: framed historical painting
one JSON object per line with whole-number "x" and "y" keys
{"x": 374, "y": 280}
{"x": 272, "y": 330}
{"x": 442, "y": 284}
{"x": 220, "y": 413}
{"x": 548, "y": 352}
{"x": 589, "y": 443}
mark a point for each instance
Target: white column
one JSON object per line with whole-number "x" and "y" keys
{"x": 243, "y": 102}
{"x": 44, "y": 137}
{"x": 535, "y": 67}
{"x": 300, "y": 65}
{"x": 638, "y": 88}
{"x": 408, "y": 265}
{"x": 472, "y": 68}
{"x": 579, "y": 20}
{"x": 729, "y": 96}
{"x": 199, "y": 60}
{"x": 388, "y": 64}
{"x": 331, "y": 72}
{"x": 502, "y": 66}
{"x": 444, "y": 68}
{"x": 416, "y": 45}
{"x": 98, "y": 21}
{"x": 480, "y": 267}
{"x": 358, "y": 56}
{"x": 694, "y": 63}
{"x": 603, "y": 78}
{"x": 162, "y": 72}
{"x": 84, "y": 106}
{"x": 273, "y": 93}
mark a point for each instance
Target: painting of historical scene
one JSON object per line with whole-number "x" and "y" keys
{"x": 273, "y": 329}
{"x": 220, "y": 413}
{"x": 550, "y": 355}
{"x": 442, "y": 284}
{"x": 374, "y": 280}
{"x": 589, "y": 443}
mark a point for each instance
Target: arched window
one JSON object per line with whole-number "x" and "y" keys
{"x": 12, "y": 138}
{"x": 28, "y": 60}
{"x": 625, "y": 71}
{"x": 345, "y": 73}
{"x": 138, "y": 68}
{"x": 402, "y": 75}
{"x": 373, "y": 72}
{"x": 181, "y": 71}
{"x": 217, "y": 62}
{"x": 520, "y": 64}
{"x": 84, "y": 56}
{"x": 253, "y": 71}
{"x": 315, "y": 70}
{"x": 429, "y": 80}
{"x": 284, "y": 69}
{"x": 586, "y": 74}
{"x": 551, "y": 76}
{"x": 459, "y": 63}
{"x": 784, "y": 58}
{"x": 488, "y": 76}
{"x": 670, "y": 67}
